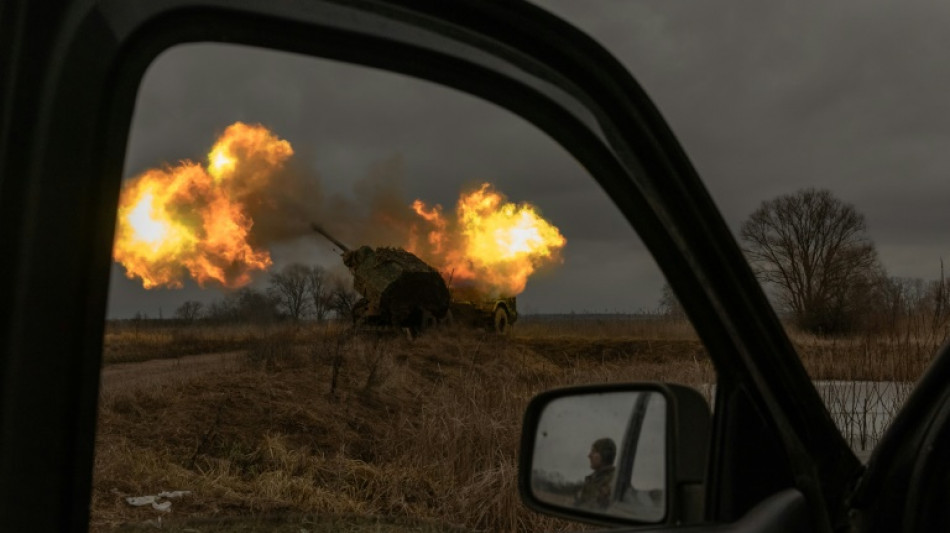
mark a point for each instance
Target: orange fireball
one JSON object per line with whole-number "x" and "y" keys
{"x": 492, "y": 245}
{"x": 190, "y": 220}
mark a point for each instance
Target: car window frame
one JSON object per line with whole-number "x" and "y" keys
{"x": 75, "y": 106}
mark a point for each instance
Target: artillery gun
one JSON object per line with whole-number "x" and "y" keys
{"x": 397, "y": 288}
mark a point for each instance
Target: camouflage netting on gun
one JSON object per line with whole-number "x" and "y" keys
{"x": 398, "y": 286}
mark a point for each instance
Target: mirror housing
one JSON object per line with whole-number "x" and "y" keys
{"x": 645, "y": 423}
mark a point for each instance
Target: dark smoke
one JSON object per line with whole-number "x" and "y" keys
{"x": 377, "y": 213}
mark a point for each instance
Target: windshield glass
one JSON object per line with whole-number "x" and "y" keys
{"x": 335, "y": 288}
{"x": 334, "y": 291}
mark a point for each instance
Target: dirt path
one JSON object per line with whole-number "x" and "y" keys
{"x": 125, "y": 377}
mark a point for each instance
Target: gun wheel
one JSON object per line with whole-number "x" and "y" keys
{"x": 502, "y": 325}
{"x": 448, "y": 320}
{"x": 428, "y": 320}
{"x": 424, "y": 321}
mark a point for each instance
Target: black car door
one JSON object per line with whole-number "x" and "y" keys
{"x": 70, "y": 70}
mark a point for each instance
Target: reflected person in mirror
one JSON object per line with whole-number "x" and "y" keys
{"x": 598, "y": 486}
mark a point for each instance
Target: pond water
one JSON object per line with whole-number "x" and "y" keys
{"x": 863, "y": 410}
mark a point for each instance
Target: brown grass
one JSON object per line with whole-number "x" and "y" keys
{"x": 424, "y": 431}
{"x": 321, "y": 429}
{"x": 901, "y": 353}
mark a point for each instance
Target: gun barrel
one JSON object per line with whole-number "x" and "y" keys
{"x": 329, "y": 237}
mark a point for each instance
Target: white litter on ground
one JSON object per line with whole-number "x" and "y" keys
{"x": 164, "y": 506}
{"x": 154, "y": 499}
{"x": 139, "y": 501}
{"x": 174, "y": 494}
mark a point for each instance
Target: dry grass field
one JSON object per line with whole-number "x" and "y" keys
{"x": 317, "y": 428}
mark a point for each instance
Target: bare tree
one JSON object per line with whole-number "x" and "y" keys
{"x": 246, "y": 304}
{"x": 318, "y": 290}
{"x": 343, "y": 300}
{"x": 289, "y": 288}
{"x": 813, "y": 248}
{"x": 189, "y": 311}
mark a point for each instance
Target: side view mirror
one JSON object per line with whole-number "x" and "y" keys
{"x": 616, "y": 454}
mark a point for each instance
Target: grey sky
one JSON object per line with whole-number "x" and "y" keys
{"x": 766, "y": 97}
{"x": 769, "y": 97}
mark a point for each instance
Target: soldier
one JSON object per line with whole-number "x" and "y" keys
{"x": 597, "y": 488}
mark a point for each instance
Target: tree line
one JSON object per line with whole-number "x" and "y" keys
{"x": 812, "y": 254}
{"x": 296, "y": 292}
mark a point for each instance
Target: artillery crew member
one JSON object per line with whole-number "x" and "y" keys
{"x": 598, "y": 486}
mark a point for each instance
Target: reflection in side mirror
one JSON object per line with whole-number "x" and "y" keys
{"x": 603, "y": 453}
{"x": 616, "y": 454}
